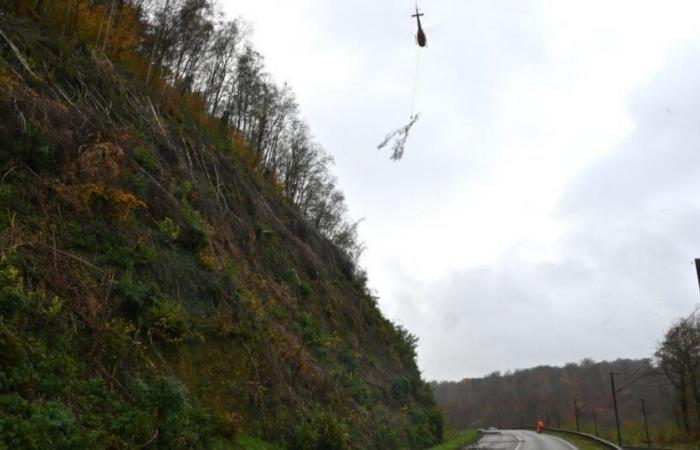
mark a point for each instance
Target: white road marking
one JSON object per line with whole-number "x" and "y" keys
{"x": 571, "y": 446}
{"x": 520, "y": 441}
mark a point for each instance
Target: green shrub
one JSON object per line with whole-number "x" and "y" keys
{"x": 245, "y": 442}
{"x": 168, "y": 229}
{"x": 193, "y": 237}
{"x": 230, "y": 269}
{"x": 38, "y": 425}
{"x": 389, "y": 437}
{"x": 322, "y": 432}
{"x": 111, "y": 243}
{"x": 33, "y": 148}
{"x": 8, "y": 195}
{"x": 49, "y": 397}
{"x": 138, "y": 184}
{"x": 12, "y": 351}
{"x": 311, "y": 333}
{"x": 12, "y": 296}
{"x": 136, "y": 297}
{"x": 163, "y": 409}
{"x": 404, "y": 385}
{"x": 291, "y": 277}
{"x": 305, "y": 289}
{"x": 84, "y": 237}
{"x": 184, "y": 190}
{"x": 427, "y": 427}
{"x": 349, "y": 359}
{"x": 167, "y": 320}
{"x": 146, "y": 157}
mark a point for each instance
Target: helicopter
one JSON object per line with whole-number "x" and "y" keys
{"x": 399, "y": 136}
{"x": 421, "y": 39}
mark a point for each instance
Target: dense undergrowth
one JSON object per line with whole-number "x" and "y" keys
{"x": 158, "y": 292}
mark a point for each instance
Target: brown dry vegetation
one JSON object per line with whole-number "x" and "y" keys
{"x": 170, "y": 296}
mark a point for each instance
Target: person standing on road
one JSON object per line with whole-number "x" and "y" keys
{"x": 539, "y": 425}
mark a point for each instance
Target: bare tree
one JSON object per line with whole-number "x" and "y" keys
{"x": 188, "y": 46}
{"x": 678, "y": 357}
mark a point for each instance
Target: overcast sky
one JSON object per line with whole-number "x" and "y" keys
{"x": 547, "y": 208}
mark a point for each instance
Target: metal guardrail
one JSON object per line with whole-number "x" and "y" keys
{"x": 586, "y": 436}
{"x": 579, "y": 434}
{"x": 645, "y": 448}
{"x": 604, "y": 442}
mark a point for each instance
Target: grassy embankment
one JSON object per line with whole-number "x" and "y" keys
{"x": 579, "y": 442}
{"x": 662, "y": 436}
{"x": 456, "y": 440}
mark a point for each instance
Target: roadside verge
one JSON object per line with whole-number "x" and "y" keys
{"x": 457, "y": 442}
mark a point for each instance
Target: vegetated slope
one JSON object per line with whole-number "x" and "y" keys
{"x": 156, "y": 291}
{"x": 519, "y": 398}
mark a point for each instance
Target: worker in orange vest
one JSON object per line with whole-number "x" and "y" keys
{"x": 539, "y": 425}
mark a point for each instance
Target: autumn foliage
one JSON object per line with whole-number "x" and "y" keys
{"x": 203, "y": 72}
{"x": 176, "y": 268}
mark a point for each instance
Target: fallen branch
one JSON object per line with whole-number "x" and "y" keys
{"x": 18, "y": 54}
{"x": 175, "y": 201}
{"x": 70, "y": 255}
{"x": 148, "y": 442}
{"x": 156, "y": 117}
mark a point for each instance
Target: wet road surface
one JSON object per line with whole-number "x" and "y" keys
{"x": 523, "y": 440}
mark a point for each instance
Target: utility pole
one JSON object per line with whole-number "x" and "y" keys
{"x": 595, "y": 422}
{"x": 646, "y": 425}
{"x": 617, "y": 416}
{"x": 576, "y": 413}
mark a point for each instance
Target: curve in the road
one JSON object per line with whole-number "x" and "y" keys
{"x": 523, "y": 440}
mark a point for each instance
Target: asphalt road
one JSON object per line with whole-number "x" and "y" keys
{"x": 523, "y": 440}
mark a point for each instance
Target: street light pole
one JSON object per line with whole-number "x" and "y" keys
{"x": 646, "y": 425}
{"x": 617, "y": 416}
{"x": 576, "y": 413}
{"x": 595, "y": 422}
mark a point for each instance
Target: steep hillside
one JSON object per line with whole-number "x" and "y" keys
{"x": 548, "y": 392}
{"x": 157, "y": 289}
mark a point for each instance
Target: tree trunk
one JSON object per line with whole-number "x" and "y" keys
{"x": 696, "y": 394}
{"x": 683, "y": 401}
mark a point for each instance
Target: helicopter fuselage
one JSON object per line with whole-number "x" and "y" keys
{"x": 421, "y": 39}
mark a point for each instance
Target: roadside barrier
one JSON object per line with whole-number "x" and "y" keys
{"x": 579, "y": 434}
{"x": 586, "y": 436}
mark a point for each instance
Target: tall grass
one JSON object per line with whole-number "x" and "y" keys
{"x": 463, "y": 438}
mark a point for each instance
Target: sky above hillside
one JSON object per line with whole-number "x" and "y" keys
{"x": 547, "y": 208}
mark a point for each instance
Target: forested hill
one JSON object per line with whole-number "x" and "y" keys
{"x": 176, "y": 267}
{"x": 520, "y": 397}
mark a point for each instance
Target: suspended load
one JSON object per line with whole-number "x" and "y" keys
{"x": 399, "y": 136}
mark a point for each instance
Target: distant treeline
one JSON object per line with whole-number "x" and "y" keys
{"x": 667, "y": 387}
{"x": 520, "y": 397}
{"x": 190, "y": 53}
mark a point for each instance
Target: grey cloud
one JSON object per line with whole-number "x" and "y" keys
{"x": 656, "y": 170}
{"x": 625, "y": 270}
